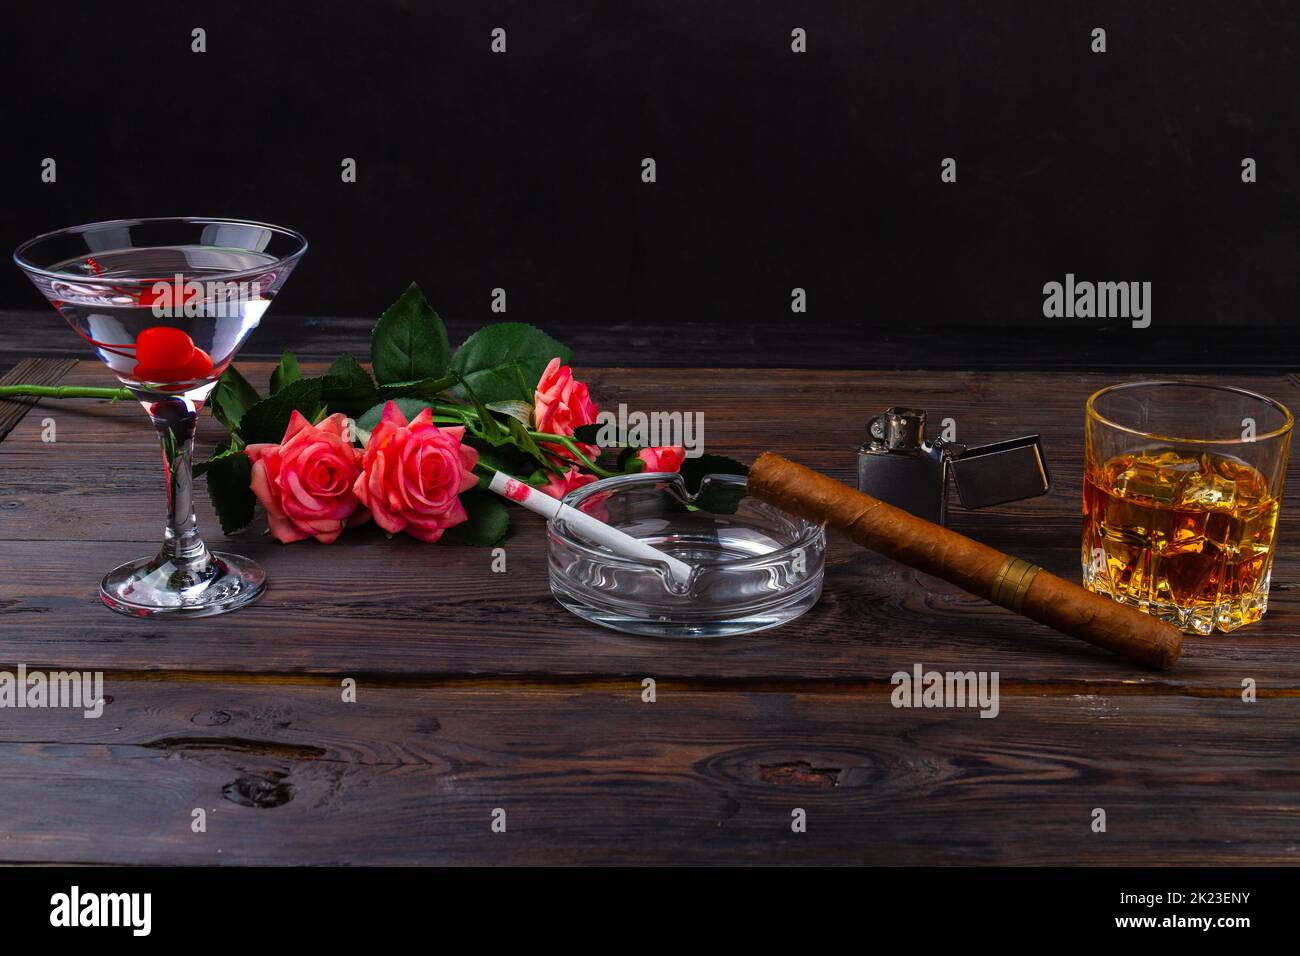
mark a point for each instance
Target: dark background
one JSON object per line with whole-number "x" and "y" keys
{"x": 775, "y": 169}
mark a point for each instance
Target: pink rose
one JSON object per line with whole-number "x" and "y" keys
{"x": 413, "y": 474}
{"x": 305, "y": 482}
{"x": 663, "y": 458}
{"x": 561, "y": 403}
{"x": 559, "y": 487}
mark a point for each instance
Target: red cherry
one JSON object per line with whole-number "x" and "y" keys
{"x": 199, "y": 366}
{"x": 162, "y": 347}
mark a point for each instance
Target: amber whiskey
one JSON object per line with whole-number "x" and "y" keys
{"x": 1188, "y": 538}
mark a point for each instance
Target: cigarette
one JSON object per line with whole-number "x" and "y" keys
{"x": 590, "y": 528}
{"x": 986, "y": 572}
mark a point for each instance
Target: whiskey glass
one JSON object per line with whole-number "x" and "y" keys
{"x": 1181, "y": 492}
{"x": 166, "y": 304}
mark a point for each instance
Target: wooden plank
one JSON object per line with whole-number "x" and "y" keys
{"x": 29, "y": 371}
{"x": 403, "y": 609}
{"x": 476, "y": 695}
{"x": 591, "y": 774}
{"x": 396, "y": 611}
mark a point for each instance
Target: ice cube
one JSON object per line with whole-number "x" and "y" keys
{"x": 1208, "y": 490}
{"x": 1148, "y": 478}
{"x": 1251, "y": 485}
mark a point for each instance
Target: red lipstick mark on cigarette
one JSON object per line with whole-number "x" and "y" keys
{"x": 517, "y": 490}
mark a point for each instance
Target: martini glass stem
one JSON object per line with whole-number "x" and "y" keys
{"x": 176, "y": 421}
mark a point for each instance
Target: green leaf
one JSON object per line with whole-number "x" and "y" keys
{"x": 522, "y": 412}
{"x": 539, "y": 478}
{"x": 487, "y": 427}
{"x": 352, "y": 391}
{"x": 694, "y": 469}
{"x": 718, "y": 499}
{"x": 484, "y": 426}
{"x": 286, "y": 372}
{"x": 497, "y": 358}
{"x": 507, "y": 458}
{"x": 199, "y": 468}
{"x": 519, "y": 435}
{"x": 346, "y": 370}
{"x": 233, "y": 443}
{"x": 229, "y": 475}
{"x": 410, "y": 408}
{"x": 232, "y": 397}
{"x": 267, "y": 420}
{"x": 587, "y": 434}
{"x": 489, "y": 520}
{"x": 347, "y": 387}
{"x": 409, "y": 342}
{"x": 426, "y": 388}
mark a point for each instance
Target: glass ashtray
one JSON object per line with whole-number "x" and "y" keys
{"x": 754, "y": 565}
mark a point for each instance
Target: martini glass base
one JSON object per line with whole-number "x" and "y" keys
{"x": 149, "y": 587}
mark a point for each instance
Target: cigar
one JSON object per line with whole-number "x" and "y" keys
{"x": 1013, "y": 583}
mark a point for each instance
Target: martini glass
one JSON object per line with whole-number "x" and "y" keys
{"x": 166, "y": 304}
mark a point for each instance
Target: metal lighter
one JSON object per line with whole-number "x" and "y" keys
{"x": 898, "y": 465}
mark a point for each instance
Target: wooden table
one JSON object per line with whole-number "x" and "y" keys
{"x": 477, "y": 692}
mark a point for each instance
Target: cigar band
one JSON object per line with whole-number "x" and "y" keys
{"x": 1011, "y": 583}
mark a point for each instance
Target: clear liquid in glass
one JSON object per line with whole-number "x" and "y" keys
{"x": 171, "y": 327}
